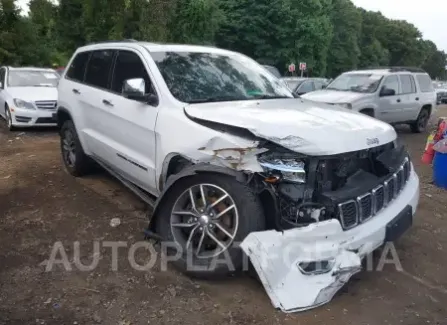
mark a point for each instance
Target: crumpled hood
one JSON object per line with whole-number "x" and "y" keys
{"x": 299, "y": 125}
{"x": 333, "y": 96}
{"x": 32, "y": 94}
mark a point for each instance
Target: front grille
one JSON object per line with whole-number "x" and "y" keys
{"x": 46, "y": 104}
{"x": 45, "y": 120}
{"x": 353, "y": 212}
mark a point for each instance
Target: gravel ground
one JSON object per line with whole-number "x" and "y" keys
{"x": 40, "y": 204}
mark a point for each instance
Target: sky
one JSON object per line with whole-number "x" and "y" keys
{"x": 429, "y": 16}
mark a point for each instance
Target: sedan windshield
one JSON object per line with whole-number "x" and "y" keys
{"x": 32, "y": 78}
{"x": 293, "y": 84}
{"x": 196, "y": 77}
{"x": 362, "y": 83}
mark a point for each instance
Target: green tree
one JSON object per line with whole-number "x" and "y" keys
{"x": 344, "y": 54}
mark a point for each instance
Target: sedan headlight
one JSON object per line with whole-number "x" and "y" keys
{"x": 346, "y": 105}
{"x": 291, "y": 170}
{"x": 23, "y": 104}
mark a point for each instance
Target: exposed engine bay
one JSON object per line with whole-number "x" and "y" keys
{"x": 312, "y": 189}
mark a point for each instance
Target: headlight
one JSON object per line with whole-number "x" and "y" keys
{"x": 23, "y": 104}
{"x": 346, "y": 105}
{"x": 291, "y": 169}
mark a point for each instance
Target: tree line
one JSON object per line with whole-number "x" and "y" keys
{"x": 331, "y": 36}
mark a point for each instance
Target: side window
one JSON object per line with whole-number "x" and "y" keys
{"x": 98, "y": 68}
{"x": 407, "y": 84}
{"x": 128, "y": 65}
{"x": 425, "y": 83}
{"x": 391, "y": 82}
{"x": 76, "y": 71}
{"x": 306, "y": 87}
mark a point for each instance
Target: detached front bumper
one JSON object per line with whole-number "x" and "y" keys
{"x": 279, "y": 257}
{"x": 30, "y": 118}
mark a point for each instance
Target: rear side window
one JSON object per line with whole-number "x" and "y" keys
{"x": 407, "y": 84}
{"x": 98, "y": 68}
{"x": 425, "y": 83}
{"x": 76, "y": 70}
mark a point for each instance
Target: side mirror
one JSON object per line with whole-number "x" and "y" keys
{"x": 136, "y": 89}
{"x": 323, "y": 86}
{"x": 384, "y": 92}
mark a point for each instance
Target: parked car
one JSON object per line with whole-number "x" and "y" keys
{"x": 301, "y": 86}
{"x": 226, "y": 154}
{"x": 395, "y": 95}
{"x": 441, "y": 92}
{"x": 28, "y": 96}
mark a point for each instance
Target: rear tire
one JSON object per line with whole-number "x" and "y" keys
{"x": 248, "y": 211}
{"x": 75, "y": 160}
{"x": 420, "y": 124}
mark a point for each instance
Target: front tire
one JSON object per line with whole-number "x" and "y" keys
{"x": 8, "y": 118}
{"x": 205, "y": 215}
{"x": 75, "y": 160}
{"x": 420, "y": 124}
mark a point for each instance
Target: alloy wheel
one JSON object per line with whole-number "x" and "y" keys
{"x": 204, "y": 220}
{"x": 8, "y": 118}
{"x": 69, "y": 148}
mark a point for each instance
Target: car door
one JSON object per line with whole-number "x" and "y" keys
{"x": 390, "y": 103}
{"x": 95, "y": 116}
{"x": 130, "y": 132}
{"x": 306, "y": 87}
{"x": 2, "y": 91}
{"x": 410, "y": 103}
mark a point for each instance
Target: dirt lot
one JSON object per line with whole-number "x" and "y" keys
{"x": 41, "y": 204}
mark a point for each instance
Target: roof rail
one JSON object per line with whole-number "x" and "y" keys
{"x": 398, "y": 69}
{"x": 115, "y": 41}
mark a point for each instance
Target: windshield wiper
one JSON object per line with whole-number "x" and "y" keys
{"x": 331, "y": 88}
{"x": 270, "y": 97}
{"x": 214, "y": 99}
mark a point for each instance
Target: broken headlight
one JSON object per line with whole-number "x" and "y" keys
{"x": 291, "y": 170}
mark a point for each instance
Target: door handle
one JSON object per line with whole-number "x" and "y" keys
{"x": 398, "y": 100}
{"x": 76, "y": 91}
{"x": 107, "y": 102}
{"x": 417, "y": 98}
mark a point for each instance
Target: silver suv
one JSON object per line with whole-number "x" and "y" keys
{"x": 397, "y": 95}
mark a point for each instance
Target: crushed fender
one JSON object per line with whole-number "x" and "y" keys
{"x": 221, "y": 152}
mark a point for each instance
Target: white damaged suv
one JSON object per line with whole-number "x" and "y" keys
{"x": 233, "y": 163}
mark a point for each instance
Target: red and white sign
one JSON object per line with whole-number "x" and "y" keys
{"x": 303, "y": 66}
{"x": 292, "y": 68}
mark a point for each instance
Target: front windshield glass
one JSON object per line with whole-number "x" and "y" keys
{"x": 362, "y": 83}
{"x": 32, "y": 78}
{"x": 293, "y": 83}
{"x": 196, "y": 77}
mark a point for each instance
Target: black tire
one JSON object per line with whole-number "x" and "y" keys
{"x": 8, "y": 119}
{"x": 250, "y": 215}
{"x": 82, "y": 164}
{"x": 421, "y": 123}
{"x": 368, "y": 112}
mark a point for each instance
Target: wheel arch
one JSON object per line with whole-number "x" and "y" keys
{"x": 63, "y": 115}
{"x": 188, "y": 171}
{"x": 368, "y": 111}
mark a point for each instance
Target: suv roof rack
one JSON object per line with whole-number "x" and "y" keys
{"x": 115, "y": 41}
{"x": 398, "y": 69}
